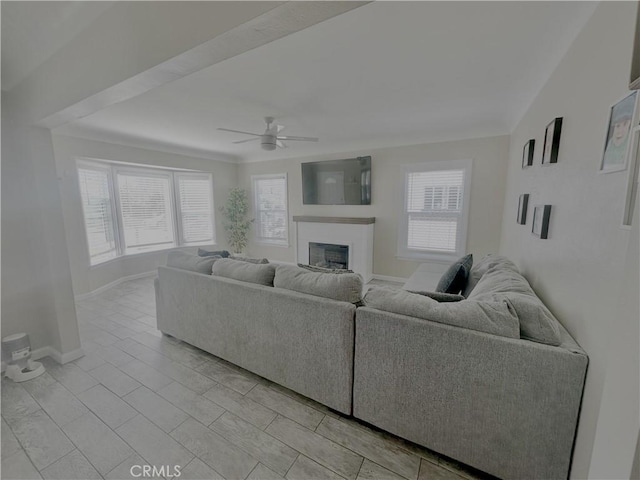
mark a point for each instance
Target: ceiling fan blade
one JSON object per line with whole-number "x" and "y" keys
{"x": 280, "y": 128}
{"x": 302, "y": 139}
{"x": 280, "y": 144}
{"x": 247, "y": 140}
{"x": 240, "y": 131}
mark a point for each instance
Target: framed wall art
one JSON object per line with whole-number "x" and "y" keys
{"x": 551, "y": 144}
{"x": 617, "y": 143}
{"x": 541, "y": 217}
{"x": 522, "y": 208}
{"x": 527, "y": 153}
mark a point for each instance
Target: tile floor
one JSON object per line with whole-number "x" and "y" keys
{"x": 140, "y": 398}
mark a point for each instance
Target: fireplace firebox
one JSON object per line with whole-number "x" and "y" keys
{"x": 329, "y": 255}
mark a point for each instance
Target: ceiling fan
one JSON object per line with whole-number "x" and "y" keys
{"x": 271, "y": 138}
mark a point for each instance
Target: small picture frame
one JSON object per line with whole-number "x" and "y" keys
{"x": 522, "y": 208}
{"x": 527, "y": 153}
{"x": 617, "y": 143}
{"x": 541, "y": 216}
{"x": 551, "y": 144}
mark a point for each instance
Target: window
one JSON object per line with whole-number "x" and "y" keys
{"x": 270, "y": 196}
{"x": 195, "y": 207}
{"x": 435, "y": 210}
{"x": 130, "y": 210}
{"x": 145, "y": 209}
{"x": 97, "y": 205}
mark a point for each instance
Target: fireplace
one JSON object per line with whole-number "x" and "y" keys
{"x": 329, "y": 255}
{"x": 336, "y": 242}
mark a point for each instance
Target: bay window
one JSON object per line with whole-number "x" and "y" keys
{"x": 129, "y": 210}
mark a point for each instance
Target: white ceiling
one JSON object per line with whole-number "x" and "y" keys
{"x": 33, "y": 31}
{"x": 387, "y": 73}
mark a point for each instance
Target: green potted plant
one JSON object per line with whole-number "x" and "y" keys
{"x": 236, "y": 223}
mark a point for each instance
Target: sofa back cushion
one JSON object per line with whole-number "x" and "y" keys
{"x": 501, "y": 283}
{"x": 249, "y": 260}
{"x": 262, "y": 274}
{"x": 314, "y": 268}
{"x": 480, "y": 268}
{"x": 495, "y": 317}
{"x": 189, "y": 261}
{"x": 344, "y": 287}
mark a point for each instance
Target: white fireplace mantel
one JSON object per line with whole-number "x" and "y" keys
{"x": 354, "y": 232}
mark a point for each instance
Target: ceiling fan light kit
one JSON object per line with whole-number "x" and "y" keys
{"x": 270, "y": 140}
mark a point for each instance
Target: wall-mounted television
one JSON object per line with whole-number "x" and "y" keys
{"x": 337, "y": 182}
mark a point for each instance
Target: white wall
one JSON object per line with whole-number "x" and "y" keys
{"x": 36, "y": 280}
{"x": 579, "y": 270}
{"x": 489, "y": 157}
{"x": 67, "y": 149}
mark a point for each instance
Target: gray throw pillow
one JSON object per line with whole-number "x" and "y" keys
{"x": 313, "y": 268}
{"x": 191, "y": 262}
{"x": 245, "y": 271}
{"x": 216, "y": 253}
{"x": 495, "y": 317}
{"x": 249, "y": 260}
{"x": 455, "y": 278}
{"x": 345, "y": 288}
{"x": 440, "y": 296}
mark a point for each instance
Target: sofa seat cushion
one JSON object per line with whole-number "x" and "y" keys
{"x": 191, "y": 262}
{"x": 455, "y": 278}
{"x": 344, "y": 287}
{"x": 537, "y": 323}
{"x": 262, "y": 274}
{"x": 495, "y": 317}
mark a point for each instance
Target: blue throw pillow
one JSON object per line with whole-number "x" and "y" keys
{"x": 219, "y": 253}
{"x": 455, "y": 278}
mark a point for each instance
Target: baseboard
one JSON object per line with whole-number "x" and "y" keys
{"x": 388, "y": 278}
{"x": 84, "y": 296}
{"x": 49, "y": 351}
{"x": 63, "y": 358}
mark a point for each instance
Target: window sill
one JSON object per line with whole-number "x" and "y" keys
{"x": 272, "y": 244}
{"x": 429, "y": 257}
{"x": 151, "y": 252}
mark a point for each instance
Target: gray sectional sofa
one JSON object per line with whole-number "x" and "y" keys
{"x": 303, "y": 342}
{"x": 493, "y": 381}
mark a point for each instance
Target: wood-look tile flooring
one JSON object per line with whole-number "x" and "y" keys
{"x": 140, "y": 398}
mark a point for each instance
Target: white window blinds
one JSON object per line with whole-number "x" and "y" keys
{"x": 135, "y": 209}
{"x": 145, "y": 206}
{"x": 95, "y": 193}
{"x": 270, "y": 194}
{"x": 434, "y": 217}
{"x": 195, "y": 207}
